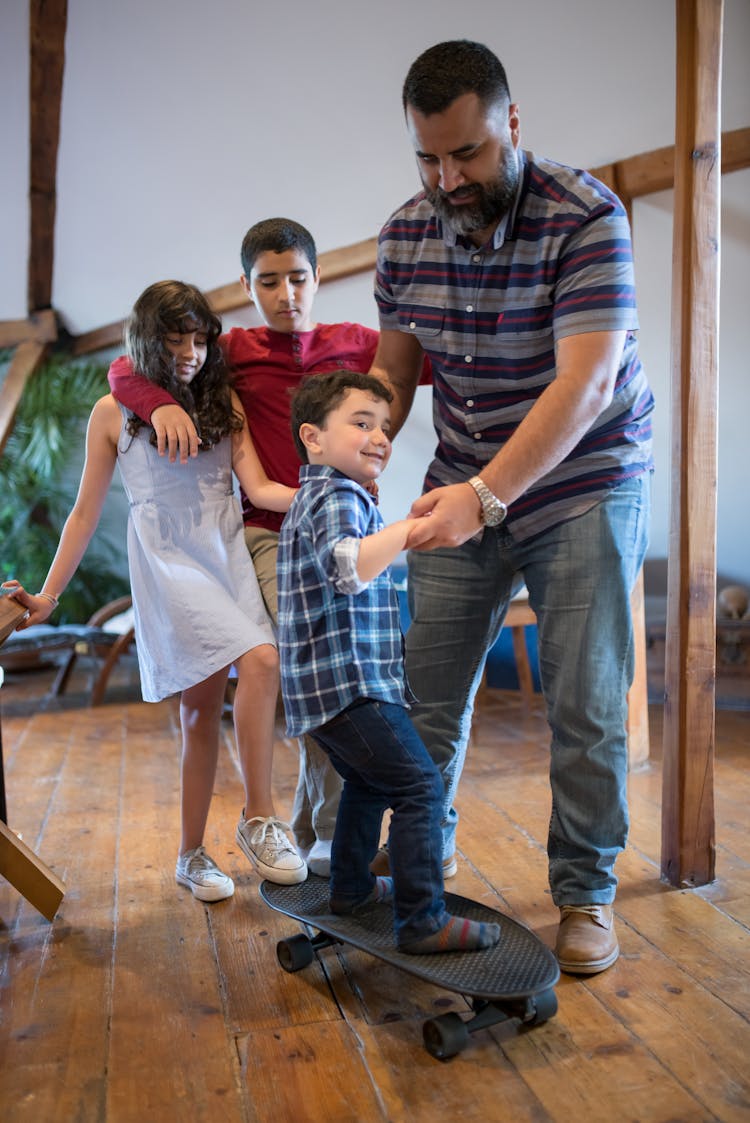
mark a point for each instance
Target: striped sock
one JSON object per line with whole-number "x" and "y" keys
{"x": 383, "y": 890}
{"x": 381, "y": 893}
{"x": 457, "y": 934}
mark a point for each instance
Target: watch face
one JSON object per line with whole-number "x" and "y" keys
{"x": 493, "y": 509}
{"x": 495, "y": 512}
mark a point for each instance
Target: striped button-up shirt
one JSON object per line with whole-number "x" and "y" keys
{"x": 339, "y": 639}
{"x": 489, "y": 319}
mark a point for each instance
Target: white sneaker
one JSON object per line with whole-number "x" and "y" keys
{"x": 264, "y": 842}
{"x": 319, "y": 857}
{"x": 202, "y": 876}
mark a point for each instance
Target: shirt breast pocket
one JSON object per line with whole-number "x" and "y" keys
{"x": 423, "y": 321}
{"x": 525, "y": 322}
{"x": 524, "y": 339}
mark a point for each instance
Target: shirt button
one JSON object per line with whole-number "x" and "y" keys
{"x": 469, "y": 307}
{"x": 477, "y": 258}
{"x": 470, "y": 402}
{"x": 477, "y": 436}
{"x": 412, "y": 325}
{"x": 468, "y": 359}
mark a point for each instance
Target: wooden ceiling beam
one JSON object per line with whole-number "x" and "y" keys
{"x": 630, "y": 178}
{"x": 654, "y": 171}
{"x": 40, "y": 326}
{"x": 335, "y": 265}
{"x": 47, "y": 25}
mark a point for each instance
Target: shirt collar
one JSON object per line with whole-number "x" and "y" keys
{"x": 308, "y": 472}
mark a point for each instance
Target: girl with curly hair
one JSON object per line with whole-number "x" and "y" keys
{"x": 197, "y": 606}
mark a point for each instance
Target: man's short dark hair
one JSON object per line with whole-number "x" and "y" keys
{"x": 276, "y": 235}
{"x": 446, "y": 71}
{"x": 320, "y": 394}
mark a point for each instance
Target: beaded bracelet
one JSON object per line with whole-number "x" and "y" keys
{"x": 48, "y": 596}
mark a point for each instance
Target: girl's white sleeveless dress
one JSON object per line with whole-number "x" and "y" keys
{"x": 196, "y": 601}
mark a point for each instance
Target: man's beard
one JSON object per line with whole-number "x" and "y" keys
{"x": 494, "y": 200}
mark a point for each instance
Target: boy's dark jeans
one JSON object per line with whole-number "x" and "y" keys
{"x": 384, "y": 763}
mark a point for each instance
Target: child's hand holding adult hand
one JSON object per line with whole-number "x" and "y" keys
{"x": 454, "y": 513}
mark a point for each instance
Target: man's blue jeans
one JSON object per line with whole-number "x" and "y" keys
{"x": 376, "y": 749}
{"x": 579, "y": 576}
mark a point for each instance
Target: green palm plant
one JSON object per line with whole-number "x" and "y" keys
{"x": 39, "y": 474}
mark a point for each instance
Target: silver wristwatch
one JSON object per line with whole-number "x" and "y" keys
{"x": 493, "y": 509}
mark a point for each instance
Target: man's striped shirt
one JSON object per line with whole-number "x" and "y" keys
{"x": 489, "y": 319}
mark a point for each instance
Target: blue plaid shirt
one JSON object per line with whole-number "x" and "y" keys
{"x": 339, "y": 639}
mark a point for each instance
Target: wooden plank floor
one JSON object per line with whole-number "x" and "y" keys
{"x": 138, "y": 1003}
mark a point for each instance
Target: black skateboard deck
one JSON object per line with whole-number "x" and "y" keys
{"x": 513, "y": 980}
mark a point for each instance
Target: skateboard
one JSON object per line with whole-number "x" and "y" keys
{"x": 513, "y": 980}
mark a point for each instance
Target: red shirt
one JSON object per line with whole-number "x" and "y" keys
{"x": 266, "y": 366}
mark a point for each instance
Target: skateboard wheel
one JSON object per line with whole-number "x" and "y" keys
{"x": 445, "y": 1036}
{"x": 295, "y": 953}
{"x": 545, "y": 1007}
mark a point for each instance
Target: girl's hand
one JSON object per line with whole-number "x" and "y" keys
{"x": 40, "y": 608}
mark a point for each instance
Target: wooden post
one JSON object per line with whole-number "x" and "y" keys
{"x": 687, "y": 803}
{"x": 47, "y": 23}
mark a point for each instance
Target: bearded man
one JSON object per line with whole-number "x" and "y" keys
{"x": 514, "y": 274}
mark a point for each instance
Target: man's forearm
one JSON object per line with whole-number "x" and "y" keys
{"x": 563, "y": 413}
{"x": 403, "y": 398}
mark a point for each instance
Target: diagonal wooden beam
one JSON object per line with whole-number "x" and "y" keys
{"x": 26, "y": 359}
{"x": 48, "y": 21}
{"x": 688, "y": 844}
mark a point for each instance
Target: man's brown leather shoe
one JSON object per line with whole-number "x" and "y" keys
{"x": 586, "y": 940}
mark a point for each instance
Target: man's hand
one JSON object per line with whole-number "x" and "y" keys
{"x": 454, "y": 517}
{"x": 175, "y": 432}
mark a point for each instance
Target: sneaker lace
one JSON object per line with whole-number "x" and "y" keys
{"x": 199, "y": 861}
{"x": 270, "y": 834}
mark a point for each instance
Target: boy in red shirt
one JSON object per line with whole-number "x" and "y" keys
{"x": 280, "y": 276}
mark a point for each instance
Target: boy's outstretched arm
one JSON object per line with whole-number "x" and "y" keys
{"x": 377, "y": 551}
{"x": 174, "y": 427}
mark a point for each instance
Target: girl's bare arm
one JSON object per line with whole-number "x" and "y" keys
{"x": 262, "y": 492}
{"x": 101, "y": 454}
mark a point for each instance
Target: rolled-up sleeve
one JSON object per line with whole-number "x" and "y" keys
{"x": 346, "y": 555}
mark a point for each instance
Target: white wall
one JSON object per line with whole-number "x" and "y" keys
{"x": 185, "y": 122}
